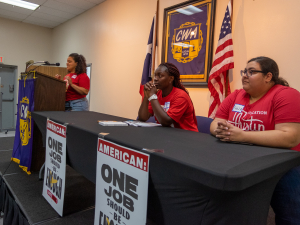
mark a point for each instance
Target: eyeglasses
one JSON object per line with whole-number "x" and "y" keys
{"x": 249, "y": 73}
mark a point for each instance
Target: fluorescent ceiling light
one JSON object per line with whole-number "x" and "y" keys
{"x": 189, "y": 10}
{"x": 20, "y": 3}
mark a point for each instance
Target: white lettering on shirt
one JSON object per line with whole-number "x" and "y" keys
{"x": 243, "y": 122}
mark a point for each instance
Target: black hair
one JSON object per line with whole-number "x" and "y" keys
{"x": 172, "y": 70}
{"x": 269, "y": 65}
{"x": 81, "y": 63}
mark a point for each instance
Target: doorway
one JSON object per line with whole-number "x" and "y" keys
{"x": 8, "y": 74}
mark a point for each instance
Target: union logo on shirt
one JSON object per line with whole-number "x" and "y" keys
{"x": 166, "y": 106}
{"x": 245, "y": 121}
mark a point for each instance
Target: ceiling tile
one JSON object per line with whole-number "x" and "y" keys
{"x": 15, "y": 9}
{"x": 33, "y": 19}
{"x": 17, "y": 16}
{"x": 40, "y": 24}
{"x": 55, "y": 12}
{"x": 39, "y": 2}
{"x": 48, "y": 17}
{"x": 63, "y": 7}
{"x": 50, "y": 14}
{"x": 82, "y": 4}
{"x": 10, "y": 17}
{"x": 96, "y": 1}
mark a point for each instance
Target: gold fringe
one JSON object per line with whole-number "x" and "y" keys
{"x": 22, "y": 167}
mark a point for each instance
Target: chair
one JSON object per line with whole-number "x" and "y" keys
{"x": 204, "y": 124}
{"x": 151, "y": 119}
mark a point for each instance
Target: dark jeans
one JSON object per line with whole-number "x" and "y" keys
{"x": 286, "y": 199}
{"x": 77, "y": 105}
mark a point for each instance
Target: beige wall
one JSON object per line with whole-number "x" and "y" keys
{"x": 21, "y": 42}
{"x": 113, "y": 37}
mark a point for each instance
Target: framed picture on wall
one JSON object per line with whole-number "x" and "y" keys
{"x": 188, "y": 39}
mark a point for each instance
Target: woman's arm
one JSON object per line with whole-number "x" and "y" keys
{"x": 285, "y": 135}
{"x": 214, "y": 125}
{"x": 144, "y": 114}
{"x": 79, "y": 90}
{"x": 160, "y": 114}
{"x": 162, "y": 117}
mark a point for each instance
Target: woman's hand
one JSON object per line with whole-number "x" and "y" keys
{"x": 57, "y": 76}
{"x": 149, "y": 89}
{"x": 228, "y": 132}
{"x": 69, "y": 80}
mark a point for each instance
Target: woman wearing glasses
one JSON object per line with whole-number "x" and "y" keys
{"x": 266, "y": 104}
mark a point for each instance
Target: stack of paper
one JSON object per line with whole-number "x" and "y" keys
{"x": 111, "y": 123}
{"x": 141, "y": 124}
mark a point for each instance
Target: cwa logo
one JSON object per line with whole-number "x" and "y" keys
{"x": 187, "y": 42}
{"x": 25, "y": 121}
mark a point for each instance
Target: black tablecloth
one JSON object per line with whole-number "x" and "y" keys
{"x": 197, "y": 180}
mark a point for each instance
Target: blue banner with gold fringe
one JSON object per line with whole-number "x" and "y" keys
{"x": 22, "y": 151}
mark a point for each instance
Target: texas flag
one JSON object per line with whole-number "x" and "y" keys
{"x": 150, "y": 58}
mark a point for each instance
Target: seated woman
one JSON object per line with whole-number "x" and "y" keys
{"x": 77, "y": 83}
{"x": 265, "y": 112}
{"x": 171, "y": 105}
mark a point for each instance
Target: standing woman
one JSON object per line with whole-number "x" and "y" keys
{"x": 265, "y": 112}
{"x": 171, "y": 105}
{"x": 77, "y": 83}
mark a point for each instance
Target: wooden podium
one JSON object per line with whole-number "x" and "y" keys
{"x": 49, "y": 95}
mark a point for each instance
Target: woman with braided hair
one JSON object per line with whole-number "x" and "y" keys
{"x": 171, "y": 104}
{"x": 77, "y": 83}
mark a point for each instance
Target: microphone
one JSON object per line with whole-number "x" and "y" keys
{"x": 38, "y": 62}
{"x": 51, "y": 64}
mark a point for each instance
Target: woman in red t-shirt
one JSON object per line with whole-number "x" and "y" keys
{"x": 77, "y": 83}
{"x": 171, "y": 105}
{"x": 265, "y": 112}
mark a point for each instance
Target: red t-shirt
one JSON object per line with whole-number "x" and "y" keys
{"x": 81, "y": 80}
{"x": 178, "y": 105}
{"x": 279, "y": 105}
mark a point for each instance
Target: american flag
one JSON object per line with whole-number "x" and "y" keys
{"x": 223, "y": 61}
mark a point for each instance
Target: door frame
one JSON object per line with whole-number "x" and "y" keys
{"x": 15, "y": 101}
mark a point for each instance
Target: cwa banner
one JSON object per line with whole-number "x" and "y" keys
{"x": 121, "y": 185}
{"x": 22, "y": 150}
{"x": 55, "y": 166}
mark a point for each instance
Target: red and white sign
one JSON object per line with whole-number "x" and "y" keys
{"x": 121, "y": 185}
{"x": 55, "y": 166}
{"x": 126, "y": 155}
{"x": 57, "y": 128}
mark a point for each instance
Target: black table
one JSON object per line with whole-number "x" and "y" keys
{"x": 197, "y": 180}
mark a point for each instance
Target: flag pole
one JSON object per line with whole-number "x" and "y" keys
{"x": 227, "y": 75}
{"x": 154, "y": 40}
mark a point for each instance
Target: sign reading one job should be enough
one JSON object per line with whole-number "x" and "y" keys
{"x": 55, "y": 166}
{"x": 121, "y": 185}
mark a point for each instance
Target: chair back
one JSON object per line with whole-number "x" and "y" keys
{"x": 151, "y": 119}
{"x": 204, "y": 124}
